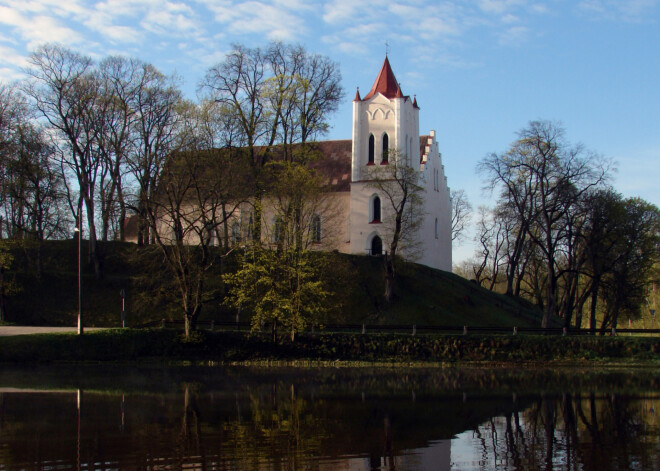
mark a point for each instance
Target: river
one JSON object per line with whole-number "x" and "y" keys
{"x": 276, "y": 418}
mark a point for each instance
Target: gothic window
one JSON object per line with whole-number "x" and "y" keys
{"x": 212, "y": 236}
{"x": 375, "y": 209}
{"x": 407, "y": 149}
{"x": 371, "y": 149}
{"x": 376, "y": 246}
{"x": 250, "y": 228}
{"x": 278, "y": 229}
{"x": 316, "y": 229}
{"x": 386, "y": 148}
{"x": 235, "y": 233}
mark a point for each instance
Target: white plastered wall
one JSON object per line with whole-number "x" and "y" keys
{"x": 400, "y": 119}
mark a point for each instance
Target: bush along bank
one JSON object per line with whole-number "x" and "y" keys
{"x": 169, "y": 345}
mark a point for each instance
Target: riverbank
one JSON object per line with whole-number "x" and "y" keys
{"x": 167, "y": 345}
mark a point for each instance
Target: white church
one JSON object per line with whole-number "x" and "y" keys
{"x": 385, "y": 127}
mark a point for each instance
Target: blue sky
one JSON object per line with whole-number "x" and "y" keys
{"x": 481, "y": 69}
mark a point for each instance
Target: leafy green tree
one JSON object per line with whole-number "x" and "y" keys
{"x": 280, "y": 282}
{"x": 280, "y": 287}
{"x": 634, "y": 258}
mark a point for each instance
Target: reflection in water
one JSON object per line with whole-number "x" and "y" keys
{"x": 311, "y": 420}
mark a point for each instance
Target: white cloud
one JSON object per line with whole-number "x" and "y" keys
{"x": 49, "y": 7}
{"x": 337, "y": 11}
{"x": 39, "y": 29}
{"x": 514, "y": 36}
{"x": 500, "y": 6}
{"x": 170, "y": 19}
{"x": 623, "y": 10}
{"x": 253, "y": 17}
{"x": 11, "y": 56}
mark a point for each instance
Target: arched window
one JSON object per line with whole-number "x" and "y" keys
{"x": 371, "y": 149}
{"x": 386, "y": 149}
{"x": 409, "y": 153}
{"x": 407, "y": 149}
{"x": 235, "y": 233}
{"x": 316, "y": 229}
{"x": 376, "y": 246}
{"x": 250, "y": 228}
{"x": 278, "y": 229}
{"x": 375, "y": 209}
{"x": 436, "y": 228}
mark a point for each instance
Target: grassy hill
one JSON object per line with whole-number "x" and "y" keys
{"x": 423, "y": 296}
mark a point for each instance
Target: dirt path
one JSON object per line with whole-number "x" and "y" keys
{"x": 9, "y": 330}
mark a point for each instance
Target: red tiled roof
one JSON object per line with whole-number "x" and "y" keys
{"x": 386, "y": 83}
{"x": 357, "y": 95}
{"x": 335, "y": 166}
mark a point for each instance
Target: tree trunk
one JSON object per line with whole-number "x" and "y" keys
{"x": 551, "y": 302}
{"x": 3, "y": 304}
{"x": 592, "y": 308}
{"x": 389, "y": 278}
{"x": 93, "y": 246}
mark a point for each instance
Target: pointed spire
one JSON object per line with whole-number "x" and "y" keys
{"x": 415, "y": 102}
{"x": 398, "y": 92}
{"x": 357, "y": 95}
{"x": 385, "y": 83}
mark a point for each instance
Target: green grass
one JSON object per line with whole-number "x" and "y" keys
{"x": 423, "y": 296}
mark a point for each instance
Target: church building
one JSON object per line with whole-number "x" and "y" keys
{"x": 358, "y": 216}
{"x": 383, "y": 121}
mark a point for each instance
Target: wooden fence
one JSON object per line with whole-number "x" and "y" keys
{"x": 415, "y": 329}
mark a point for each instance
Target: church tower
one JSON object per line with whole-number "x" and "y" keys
{"x": 386, "y": 127}
{"x": 384, "y": 119}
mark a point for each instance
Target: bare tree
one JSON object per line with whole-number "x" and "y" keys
{"x": 399, "y": 185}
{"x": 491, "y": 234}
{"x": 198, "y": 191}
{"x": 156, "y": 119}
{"x": 542, "y": 177}
{"x": 120, "y": 80}
{"x": 65, "y": 91}
{"x": 461, "y": 213}
{"x": 280, "y": 95}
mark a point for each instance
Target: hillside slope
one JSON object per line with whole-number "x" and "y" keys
{"x": 423, "y": 296}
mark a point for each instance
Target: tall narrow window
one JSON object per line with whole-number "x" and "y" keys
{"x": 407, "y": 149}
{"x": 278, "y": 229}
{"x": 375, "y": 209}
{"x": 316, "y": 229}
{"x": 371, "y": 149}
{"x": 386, "y": 149}
{"x": 250, "y": 228}
{"x": 235, "y": 233}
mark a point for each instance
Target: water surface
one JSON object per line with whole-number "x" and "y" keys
{"x": 328, "y": 419}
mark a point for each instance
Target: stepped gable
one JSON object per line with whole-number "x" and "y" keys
{"x": 423, "y": 142}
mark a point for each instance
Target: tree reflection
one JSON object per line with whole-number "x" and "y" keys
{"x": 573, "y": 432}
{"x": 278, "y": 424}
